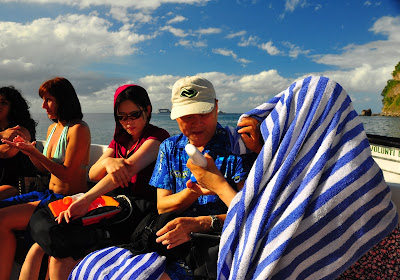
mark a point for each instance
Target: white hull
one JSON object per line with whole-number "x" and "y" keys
{"x": 386, "y": 153}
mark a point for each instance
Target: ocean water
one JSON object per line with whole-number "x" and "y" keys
{"x": 102, "y": 125}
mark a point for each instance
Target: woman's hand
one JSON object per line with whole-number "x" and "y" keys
{"x": 251, "y": 134}
{"x": 118, "y": 168}
{"x": 12, "y": 132}
{"x": 76, "y": 210}
{"x": 21, "y": 144}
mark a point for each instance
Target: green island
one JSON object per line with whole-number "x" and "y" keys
{"x": 391, "y": 94}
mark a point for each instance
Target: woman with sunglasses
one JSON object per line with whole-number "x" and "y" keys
{"x": 125, "y": 168}
{"x": 65, "y": 156}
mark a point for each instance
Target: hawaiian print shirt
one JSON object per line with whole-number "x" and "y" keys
{"x": 171, "y": 173}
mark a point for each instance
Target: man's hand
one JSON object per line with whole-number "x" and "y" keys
{"x": 211, "y": 179}
{"x": 177, "y": 231}
{"x": 198, "y": 189}
{"x": 251, "y": 134}
{"x": 207, "y": 179}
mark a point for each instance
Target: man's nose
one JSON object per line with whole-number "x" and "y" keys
{"x": 197, "y": 120}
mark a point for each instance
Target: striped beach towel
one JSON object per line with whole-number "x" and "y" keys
{"x": 314, "y": 202}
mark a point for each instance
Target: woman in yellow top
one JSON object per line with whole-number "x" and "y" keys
{"x": 65, "y": 156}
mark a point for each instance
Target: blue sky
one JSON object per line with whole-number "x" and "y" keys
{"x": 249, "y": 49}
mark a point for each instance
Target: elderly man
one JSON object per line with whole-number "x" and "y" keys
{"x": 195, "y": 108}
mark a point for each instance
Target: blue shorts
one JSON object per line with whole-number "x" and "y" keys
{"x": 44, "y": 198}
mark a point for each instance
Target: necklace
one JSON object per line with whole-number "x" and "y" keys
{"x": 130, "y": 151}
{"x": 133, "y": 147}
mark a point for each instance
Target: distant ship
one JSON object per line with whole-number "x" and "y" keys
{"x": 164, "y": 111}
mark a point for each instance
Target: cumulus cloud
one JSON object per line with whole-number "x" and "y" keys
{"x": 230, "y": 53}
{"x": 176, "y": 19}
{"x": 70, "y": 40}
{"x": 376, "y": 53}
{"x": 175, "y": 31}
{"x": 251, "y": 41}
{"x": 35, "y": 51}
{"x": 191, "y": 44}
{"x": 294, "y": 51}
{"x": 137, "y": 4}
{"x": 206, "y": 31}
{"x": 237, "y": 34}
{"x": 290, "y": 5}
{"x": 269, "y": 48}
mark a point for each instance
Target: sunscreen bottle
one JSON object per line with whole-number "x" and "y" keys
{"x": 197, "y": 157}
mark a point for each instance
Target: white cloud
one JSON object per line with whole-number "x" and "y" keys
{"x": 269, "y": 48}
{"x": 389, "y": 26}
{"x": 176, "y": 19}
{"x": 206, "y": 31}
{"x": 376, "y": 54}
{"x": 68, "y": 40}
{"x": 189, "y": 44}
{"x": 251, "y": 41}
{"x": 175, "y": 31}
{"x": 137, "y": 4}
{"x": 294, "y": 51}
{"x": 290, "y": 5}
{"x": 230, "y": 53}
{"x": 237, "y": 34}
{"x": 35, "y": 51}
{"x": 369, "y": 3}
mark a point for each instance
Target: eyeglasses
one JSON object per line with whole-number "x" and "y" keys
{"x": 132, "y": 116}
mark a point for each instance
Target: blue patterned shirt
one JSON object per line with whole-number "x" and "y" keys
{"x": 171, "y": 173}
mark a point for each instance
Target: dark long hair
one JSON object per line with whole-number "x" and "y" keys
{"x": 19, "y": 110}
{"x": 137, "y": 95}
{"x": 68, "y": 105}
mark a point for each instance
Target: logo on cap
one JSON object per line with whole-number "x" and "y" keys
{"x": 189, "y": 93}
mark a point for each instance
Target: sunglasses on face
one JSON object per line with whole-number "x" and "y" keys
{"x": 132, "y": 116}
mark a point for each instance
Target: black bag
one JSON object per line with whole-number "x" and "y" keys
{"x": 143, "y": 239}
{"x": 75, "y": 240}
{"x": 204, "y": 254}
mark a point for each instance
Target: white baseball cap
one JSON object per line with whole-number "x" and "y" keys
{"x": 192, "y": 95}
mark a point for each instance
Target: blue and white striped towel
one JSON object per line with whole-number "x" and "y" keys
{"x": 314, "y": 202}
